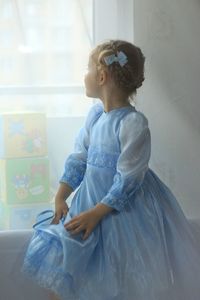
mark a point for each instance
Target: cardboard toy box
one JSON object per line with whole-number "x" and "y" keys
{"x": 22, "y": 135}
{"x": 24, "y": 180}
{"x": 21, "y": 216}
{"x": 3, "y": 216}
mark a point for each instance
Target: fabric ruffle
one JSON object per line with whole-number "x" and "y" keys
{"x": 57, "y": 260}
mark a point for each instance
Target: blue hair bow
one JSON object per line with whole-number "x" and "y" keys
{"x": 121, "y": 58}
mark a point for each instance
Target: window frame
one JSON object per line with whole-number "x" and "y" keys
{"x": 102, "y": 9}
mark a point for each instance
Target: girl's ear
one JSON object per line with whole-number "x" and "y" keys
{"x": 102, "y": 77}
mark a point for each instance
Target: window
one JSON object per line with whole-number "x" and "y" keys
{"x": 44, "y": 47}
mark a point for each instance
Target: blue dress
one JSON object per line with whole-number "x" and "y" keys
{"x": 144, "y": 249}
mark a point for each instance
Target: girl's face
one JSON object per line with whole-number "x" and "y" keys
{"x": 90, "y": 80}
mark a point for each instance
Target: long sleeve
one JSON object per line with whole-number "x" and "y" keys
{"x": 132, "y": 163}
{"x": 76, "y": 162}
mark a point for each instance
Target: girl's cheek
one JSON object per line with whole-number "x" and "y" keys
{"x": 85, "y": 79}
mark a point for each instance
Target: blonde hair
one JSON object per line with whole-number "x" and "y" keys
{"x": 129, "y": 77}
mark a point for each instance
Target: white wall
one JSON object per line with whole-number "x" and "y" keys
{"x": 168, "y": 33}
{"x": 113, "y": 19}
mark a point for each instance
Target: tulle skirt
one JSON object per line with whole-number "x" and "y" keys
{"x": 146, "y": 252}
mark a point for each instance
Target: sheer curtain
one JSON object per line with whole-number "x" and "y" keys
{"x": 44, "y": 47}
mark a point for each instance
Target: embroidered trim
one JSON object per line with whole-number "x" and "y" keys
{"x": 74, "y": 172}
{"x": 121, "y": 191}
{"x": 101, "y": 159}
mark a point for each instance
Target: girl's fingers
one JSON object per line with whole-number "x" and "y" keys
{"x": 86, "y": 234}
{"x": 57, "y": 217}
{"x": 53, "y": 221}
{"x": 65, "y": 212}
{"x": 72, "y": 225}
{"x": 72, "y": 221}
{"x": 77, "y": 230}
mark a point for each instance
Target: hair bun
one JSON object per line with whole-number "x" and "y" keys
{"x": 139, "y": 82}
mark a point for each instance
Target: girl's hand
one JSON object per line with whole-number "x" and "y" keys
{"x": 61, "y": 210}
{"x": 84, "y": 221}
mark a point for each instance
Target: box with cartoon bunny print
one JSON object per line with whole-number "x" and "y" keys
{"x": 24, "y": 180}
{"x": 23, "y": 135}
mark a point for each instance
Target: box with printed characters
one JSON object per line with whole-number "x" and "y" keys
{"x": 24, "y": 180}
{"x": 3, "y": 216}
{"x": 21, "y": 216}
{"x": 22, "y": 135}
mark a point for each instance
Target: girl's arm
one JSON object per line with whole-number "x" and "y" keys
{"x": 61, "y": 207}
{"x": 64, "y": 191}
{"x": 75, "y": 164}
{"x": 87, "y": 220}
{"x": 102, "y": 210}
{"x": 132, "y": 164}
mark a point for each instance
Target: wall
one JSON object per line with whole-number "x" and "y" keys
{"x": 168, "y": 33}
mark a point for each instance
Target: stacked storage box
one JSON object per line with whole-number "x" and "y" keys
{"x": 24, "y": 169}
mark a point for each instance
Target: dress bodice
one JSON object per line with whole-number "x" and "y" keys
{"x": 104, "y": 147}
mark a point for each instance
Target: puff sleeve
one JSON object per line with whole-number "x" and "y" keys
{"x": 75, "y": 164}
{"x": 132, "y": 164}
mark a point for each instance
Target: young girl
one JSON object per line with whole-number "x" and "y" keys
{"x": 124, "y": 237}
